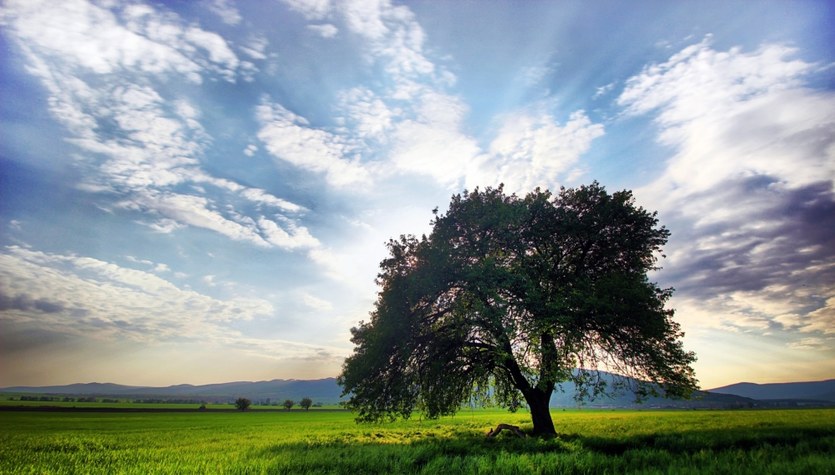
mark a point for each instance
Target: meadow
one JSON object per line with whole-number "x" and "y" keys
{"x": 328, "y": 441}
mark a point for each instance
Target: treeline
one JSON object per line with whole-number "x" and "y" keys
{"x": 169, "y": 401}
{"x": 107, "y": 400}
{"x": 305, "y": 403}
{"x": 61, "y": 399}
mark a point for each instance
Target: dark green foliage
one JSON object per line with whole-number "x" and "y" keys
{"x": 288, "y": 404}
{"x": 507, "y": 297}
{"x": 305, "y": 403}
{"x": 242, "y": 403}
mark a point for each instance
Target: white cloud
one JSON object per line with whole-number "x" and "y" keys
{"x": 821, "y": 320}
{"x": 226, "y": 10}
{"x": 201, "y": 212}
{"x": 290, "y": 238}
{"x": 432, "y": 150}
{"x": 256, "y": 47}
{"x": 260, "y": 196}
{"x": 97, "y": 299}
{"x": 87, "y": 303}
{"x": 364, "y": 17}
{"x": 748, "y": 189}
{"x": 310, "y": 9}
{"x": 734, "y": 113}
{"x": 138, "y": 142}
{"x": 221, "y": 57}
{"x": 197, "y": 211}
{"x": 164, "y": 225}
{"x": 325, "y": 30}
{"x": 533, "y": 75}
{"x": 410, "y": 123}
{"x": 413, "y": 124}
{"x": 316, "y": 303}
{"x": 289, "y": 137}
{"x": 812, "y": 343}
{"x": 155, "y": 267}
{"x": 367, "y": 113}
{"x": 533, "y": 149}
{"x": 603, "y": 90}
{"x": 93, "y": 38}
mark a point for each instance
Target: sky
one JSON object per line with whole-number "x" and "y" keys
{"x": 201, "y": 191}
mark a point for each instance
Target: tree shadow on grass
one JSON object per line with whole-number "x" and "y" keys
{"x": 406, "y": 456}
{"x": 719, "y": 440}
{"x": 571, "y": 453}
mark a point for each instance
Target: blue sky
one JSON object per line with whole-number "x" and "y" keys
{"x": 196, "y": 192}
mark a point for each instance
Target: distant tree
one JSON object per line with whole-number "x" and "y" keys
{"x": 288, "y": 404}
{"x": 305, "y": 403}
{"x": 508, "y": 297}
{"x": 242, "y": 403}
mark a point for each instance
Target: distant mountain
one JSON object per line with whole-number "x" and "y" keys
{"x": 108, "y": 389}
{"x": 564, "y": 396}
{"x": 325, "y": 391}
{"x": 811, "y": 390}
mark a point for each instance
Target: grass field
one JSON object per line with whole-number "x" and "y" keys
{"x": 732, "y": 442}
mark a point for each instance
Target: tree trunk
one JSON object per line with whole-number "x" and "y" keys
{"x": 539, "y": 401}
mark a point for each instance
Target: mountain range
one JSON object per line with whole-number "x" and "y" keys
{"x": 327, "y": 391}
{"x": 811, "y": 390}
{"x": 324, "y": 391}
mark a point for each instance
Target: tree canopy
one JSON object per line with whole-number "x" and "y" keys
{"x": 509, "y": 296}
{"x": 241, "y": 404}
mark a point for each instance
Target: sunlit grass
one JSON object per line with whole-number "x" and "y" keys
{"x": 790, "y": 441}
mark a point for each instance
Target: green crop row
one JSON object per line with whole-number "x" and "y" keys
{"x": 733, "y": 442}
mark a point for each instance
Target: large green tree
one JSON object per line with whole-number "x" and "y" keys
{"x": 510, "y": 296}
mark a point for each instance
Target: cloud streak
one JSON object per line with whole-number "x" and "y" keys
{"x": 86, "y": 296}
{"x": 142, "y": 144}
{"x": 748, "y": 191}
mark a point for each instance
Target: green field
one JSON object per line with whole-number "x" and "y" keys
{"x": 733, "y": 442}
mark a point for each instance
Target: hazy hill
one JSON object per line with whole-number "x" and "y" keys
{"x": 810, "y": 390}
{"x": 326, "y": 391}
{"x": 564, "y": 396}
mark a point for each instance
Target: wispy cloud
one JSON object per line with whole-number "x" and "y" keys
{"x": 748, "y": 191}
{"x": 108, "y": 73}
{"x": 533, "y": 149}
{"x": 325, "y": 30}
{"x": 85, "y": 296}
{"x": 225, "y": 9}
{"x": 86, "y": 305}
{"x": 413, "y": 125}
{"x": 310, "y": 9}
{"x": 289, "y": 137}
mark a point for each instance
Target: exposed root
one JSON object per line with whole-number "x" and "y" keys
{"x": 515, "y": 429}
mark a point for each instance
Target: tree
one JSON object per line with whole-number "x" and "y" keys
{"x": 288, "y": 404}
{"x": 305, "y": 403}
{"x": 242, "y": 403}
{"x": 509, "y": 296}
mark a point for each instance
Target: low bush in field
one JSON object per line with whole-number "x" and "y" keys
{"x": 791, "y": 441}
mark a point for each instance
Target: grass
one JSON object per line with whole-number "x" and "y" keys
{"x": 788, "y": 441}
